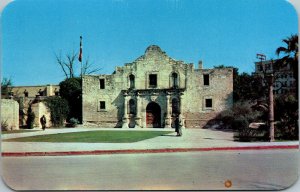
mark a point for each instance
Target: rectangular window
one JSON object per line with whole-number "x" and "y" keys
{"x": 102, "y": 83}
{"x": 259, "y": 67}
{"x": 206, "y": 79}
{"x": 208, "y": 103}
{"x": 102, "y": 105}
{"x": 153, "y": 80}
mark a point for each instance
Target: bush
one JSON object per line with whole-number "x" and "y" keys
{"x": 286, "y": 131}
{"x": 59, "y": 110}
{"x": 4, "y": 126}
{"x": 248, "y": 134}
{"x": 240, "y": 123}
{"x": 239, "y": 116}
{"x": 226, "y": 117}
{"x": 286, "y": 113}
{"x": 72, "y": 122}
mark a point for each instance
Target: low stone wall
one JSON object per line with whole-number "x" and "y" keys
{"x": 198, "y": 120}
{"x": 10, "y": 113}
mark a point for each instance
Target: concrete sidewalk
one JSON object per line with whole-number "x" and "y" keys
{"x": 192, "y": 140}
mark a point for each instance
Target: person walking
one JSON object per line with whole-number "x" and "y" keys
{"x": 43, "y": 122}
{"x": 178, "y": 125}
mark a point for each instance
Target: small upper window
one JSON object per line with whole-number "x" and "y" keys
{"x": 174, "y": 80}
{"x": 102, "y": 83}
{"x": 208, "y": 103}
{"x": 153, "y": 80}
{"x": 259, "y": 67}
{"x": 131, "y": 81}
{"x": 102, "y": 105}
{"x": 206, "y": 79}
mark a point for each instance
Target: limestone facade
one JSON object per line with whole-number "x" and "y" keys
{"x": 153, "y": 89}
{"x": 10, "y": 113}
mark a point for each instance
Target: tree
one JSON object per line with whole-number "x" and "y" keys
{"x": 70, "y": 89}
{"x": 69, "y": 64}
{"x": 6, "y": 84}
{"x": 248, "y": 87}
{"x": 290, "y": 57}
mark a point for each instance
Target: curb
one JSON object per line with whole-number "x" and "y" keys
{"x": 139, "y": 151}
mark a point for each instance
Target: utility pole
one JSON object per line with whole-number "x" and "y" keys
{"x": 270, "y": 80}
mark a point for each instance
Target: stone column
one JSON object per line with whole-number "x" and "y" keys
{"x": 168, "y": 118}
{"x": 125, "y": 117}
{"x": 138, "y": 111}
{"x": 180, "y": 109}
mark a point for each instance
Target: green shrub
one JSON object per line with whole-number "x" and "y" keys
{"x": 241, "y": 114}
{"x": 72, "y": 122}
{"x": 248, "y": 134}
{"x": 286, "y": 131}
{"x": 226, "y": 117}
{"x": 240, "y": 123}
{"x": 59, "y": 110}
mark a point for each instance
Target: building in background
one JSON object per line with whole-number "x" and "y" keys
{"x": 283, "y": 76}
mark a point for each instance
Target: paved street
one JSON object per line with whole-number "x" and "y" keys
{"x": 271, "y": 166}
{"x": 255, "y": 170}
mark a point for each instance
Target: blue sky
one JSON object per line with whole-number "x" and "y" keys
{"x": 115, "y": 32}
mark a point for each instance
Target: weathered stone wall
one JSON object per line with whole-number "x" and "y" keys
{"x": 190, "y": 92}
{"x": 48, "y": 90}
{"x": 220, "y": 90}
{"x": 92, "y": 95}
{"x": 10, "y": 113}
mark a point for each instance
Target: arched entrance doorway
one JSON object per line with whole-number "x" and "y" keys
{"x": 153, "y": 115}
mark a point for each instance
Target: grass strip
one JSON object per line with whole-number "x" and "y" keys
{"x": 18, "y": 131}
{"x": 94, "y": 137}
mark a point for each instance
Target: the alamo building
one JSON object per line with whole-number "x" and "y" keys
{"x": 153, "y": 89}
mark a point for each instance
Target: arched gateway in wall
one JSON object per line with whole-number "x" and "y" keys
{"x": 153, "y": 115}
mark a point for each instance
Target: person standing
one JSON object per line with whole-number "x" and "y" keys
{"x": 178, "y": 125}
{"x": 43, "y": 122}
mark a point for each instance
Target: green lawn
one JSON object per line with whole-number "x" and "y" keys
{"x": 17, "y": 131}
{"x": 94, "y": 137}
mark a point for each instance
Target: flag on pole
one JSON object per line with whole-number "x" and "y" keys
{"x": 80, "y": 51}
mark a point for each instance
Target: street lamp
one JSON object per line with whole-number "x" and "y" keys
{"x": 270, "y": 80}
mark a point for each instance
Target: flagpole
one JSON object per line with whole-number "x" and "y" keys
{"x": 80, "y": 56}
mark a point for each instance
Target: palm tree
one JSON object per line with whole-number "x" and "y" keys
{"x": 290, "y": 56}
